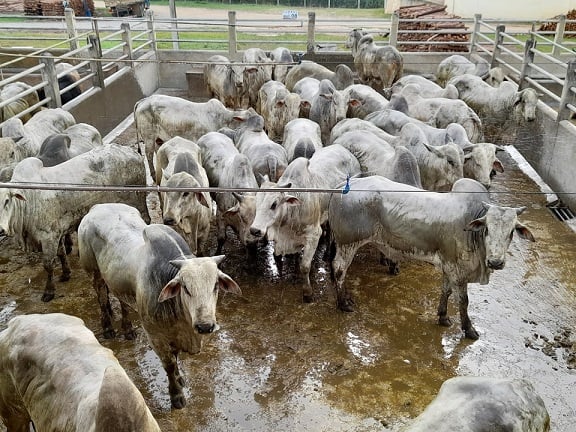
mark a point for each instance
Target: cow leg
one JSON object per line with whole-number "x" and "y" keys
{"x": 220, "y": 234}
{"x": 279, "y": 264}
{"x": 175, "y": 380}
{"x": 50, "y": 288}
{"x": 127, "y": 328}
{"x": 466, "y": 324}
{"x": 306, "y": 265}
{"x": 443, "y": 318}
{"x": 63, "y": 257}
{"x": 104, "y": 301}
{"x": 342, "y": 260}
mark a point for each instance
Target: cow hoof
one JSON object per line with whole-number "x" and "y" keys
{"x": 308, "y": 298}
{"x": 65, "y": 277}
{"x": 46, "y": 297}
{"x": 109, "y": 334}
{"x": 346, "y": 305}
{"x": 178, "y": 401}
{"x": 445, "y": 321}
{"x": 471, "y": 333}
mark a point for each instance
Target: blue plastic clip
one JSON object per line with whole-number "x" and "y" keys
{"x": 346, "y": 188}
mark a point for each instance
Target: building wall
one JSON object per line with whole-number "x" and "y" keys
{"x": 498, "y": 9}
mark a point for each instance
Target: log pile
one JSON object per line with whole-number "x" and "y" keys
{"x": 570, "y": 26}
{"x": 430, "y": 12}
{"x": 56, "y": 7}
{"x": 7, "y": 6}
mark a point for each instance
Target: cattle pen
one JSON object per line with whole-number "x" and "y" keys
{"x": 278, "y": 364}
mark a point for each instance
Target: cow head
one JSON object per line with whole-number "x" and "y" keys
{"x": 498, "y": 225}
{"x": 481, "y": 163}
{"x": 241, "y": 216}
{"x": 197, "y": 284}
{"x": 272, "y": 207}
{"x": 10, "y": 201}
{"x": 525, "y": 103}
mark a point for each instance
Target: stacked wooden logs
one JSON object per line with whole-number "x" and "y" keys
{"x": 56, "y": 7}
{"x": 570, "y": 29}
{"x": 443, "y": 36}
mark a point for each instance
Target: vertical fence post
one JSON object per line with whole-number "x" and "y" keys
{"x": 498, "y": 41}
{"x": 476, "y": 29}
{"x": 528, "y": 60}
{"x": 232, "y": 36}
{"x": 174, "y": 25}
{"x": 127, "y": 40}
{"x": 71, "y": 28}
{"x": 151, "y": 31}
{"x": 311, "y": 33}
{"x": 95, "y": 64}
{"x": 394, "y": 25}
{"x": 51, "y": 90}
{"x": 559, "y": 35}
{"x": 568, "y": 95}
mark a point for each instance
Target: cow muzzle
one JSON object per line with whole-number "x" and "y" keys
{"x": 169, "y": 221}
{"x": 205, "y": 328}
{"x": 256, "y": 232}
{"x": 496, "y": 264}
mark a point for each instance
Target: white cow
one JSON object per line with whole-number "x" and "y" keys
{"x": 301, "y": 138}
{"x": 57, "y": 148}
{"x": 188, "y": 212}
{"x": 351, "y": 124}
{"x": 257, "y": 71}
{"x": 428, "y": 88}
{"x": 342, "y": 76}
{"x": 267, "y": 157}
{"x": 159, "y": 118}
{"x": 468, "y": 404}
{"x": 440, "y": 166}
{"x": 55, "y": 374}
{"x": 293, "y": 221}
{"x": 378, "y": 157}
{"x": 440, "y": 112}
{"x": 27, "y": 138}
{"x": 151, "y": 270}
{"x": 328, "y": 107}
{"x": 278, "y": 106}
{"x": 459, "y": 232}
{"x": 377, "y": 66}
{"x": 224, "y": 81}
{"x": 457, "y": 64}
{"x": 369, "y": 100}
{"x": 227, "y": 168}
{"x": 480, "y": 161}
{"x": 40, "y": 220}
{"x": 497, "y": 106}
{"x": 282, "y": 62}
{"x": 22, "y": 103}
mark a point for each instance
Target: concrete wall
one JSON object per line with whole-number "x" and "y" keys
{"x": 510, "y": 9}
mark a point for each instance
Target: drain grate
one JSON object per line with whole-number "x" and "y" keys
{"x": 560, "y": 211}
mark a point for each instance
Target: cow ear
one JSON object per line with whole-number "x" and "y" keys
{"x": 292, "y": 200}
{"x": 203, "y": 199}
{"x": 227, "y": 284}
{"x": 19, "y": 196}
{"x": 524, "y": 232}
{"x": 497, "y": 165}
{"x": 170, "y": 290}
{"x": 354, "y": 103}
{"x": 476, "y": 224}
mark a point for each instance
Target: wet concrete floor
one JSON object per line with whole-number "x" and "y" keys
{"x": 277, "y": 364}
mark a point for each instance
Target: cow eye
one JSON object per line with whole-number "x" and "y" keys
{"x": 273, "y": 206}
{"x": 450, "y": 162}
{"x": 185, "y": 194}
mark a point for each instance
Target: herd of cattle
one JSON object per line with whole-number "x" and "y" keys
{"x": 284, "y": 152}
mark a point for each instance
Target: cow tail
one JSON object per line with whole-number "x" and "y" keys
{"x": 139, "y": 139}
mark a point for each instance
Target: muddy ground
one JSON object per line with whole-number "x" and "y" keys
{"x": 278, "y": 364}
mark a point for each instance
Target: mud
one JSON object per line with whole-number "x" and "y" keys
{"x": 279, "y": 364}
